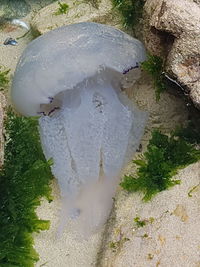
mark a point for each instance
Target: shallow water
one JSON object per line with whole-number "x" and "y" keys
{"x": 67, "y": 251}
{"x": 21, "y": 8}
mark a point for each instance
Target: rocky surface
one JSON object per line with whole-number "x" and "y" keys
{"x": 172, "y": 30}
{"x": 79, "y": 11}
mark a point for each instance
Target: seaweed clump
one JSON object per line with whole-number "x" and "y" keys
{"x": 154, "y": 66}
{"x": 164, "y": 157}
{"x": 63, "y": 9}
{"x": 24, "y": 179}
{"x": 131, "y": 11}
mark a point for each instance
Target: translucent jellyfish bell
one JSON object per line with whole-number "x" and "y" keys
{"x": 72, "y": 77}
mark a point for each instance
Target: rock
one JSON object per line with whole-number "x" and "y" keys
{"x": 2, "y": 106}
{"x": 172, "y": 30}
{"x": 46, "y": 19}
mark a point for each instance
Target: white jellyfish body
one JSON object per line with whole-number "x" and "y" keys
{"x": 71, "y": 77}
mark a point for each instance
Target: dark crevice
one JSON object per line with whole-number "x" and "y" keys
{"x": 166, "y": 40}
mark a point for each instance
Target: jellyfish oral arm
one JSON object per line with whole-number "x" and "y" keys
{"x": 88, "y": 143}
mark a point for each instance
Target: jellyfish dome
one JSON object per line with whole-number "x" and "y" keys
{"x": 72, "y": 77}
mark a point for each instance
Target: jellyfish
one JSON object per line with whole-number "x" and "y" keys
{"x": 72, "y": 78}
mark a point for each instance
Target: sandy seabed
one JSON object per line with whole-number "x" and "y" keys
{"x": 174, "y": 238}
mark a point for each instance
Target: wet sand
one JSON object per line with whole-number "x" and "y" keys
{"x": 169, "y": 112}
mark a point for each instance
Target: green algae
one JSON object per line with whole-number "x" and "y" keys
{"x": 130, "y": 10}
{"x": 154, "y": 66}
{"x": 139, "y": 222}
{"x": 165, "y": 155}
{"x": 24, "y": 179}
{"x": 191, "y": 133}
{"x": 62, "y": 9}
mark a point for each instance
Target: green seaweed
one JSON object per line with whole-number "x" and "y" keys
{"x": 24, "y": 179}
{"x": 131, "y": 11}
{"x": 63, "y": 9}
{"x": 154, "y": 66}
{"x": 4, "y": 80}
{"x": 139, "y": 222}
{"x": 165, "y": 155}
{"x": 191, "y": 133}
